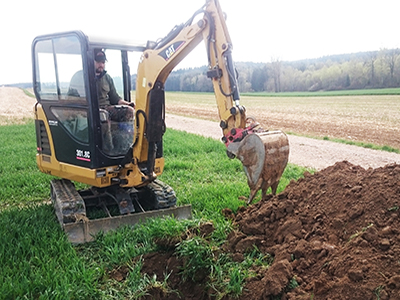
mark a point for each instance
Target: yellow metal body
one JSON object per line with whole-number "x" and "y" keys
{"x": 153, "y": 68}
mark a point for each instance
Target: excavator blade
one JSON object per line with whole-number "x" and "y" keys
{"x": 264, "y": 156}
{"x": 71, "y": 210}
{"x": 85, "y": 230}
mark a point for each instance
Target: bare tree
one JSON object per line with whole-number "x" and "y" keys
{"x": 370, "y": 65}
{"x": 390, "y": 57}
{"x": 276, "y": 67}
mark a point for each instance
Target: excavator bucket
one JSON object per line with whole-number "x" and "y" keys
{"x": 264, "y": 157}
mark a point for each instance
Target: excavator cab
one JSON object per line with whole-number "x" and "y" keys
{"x": 65, "y": 87}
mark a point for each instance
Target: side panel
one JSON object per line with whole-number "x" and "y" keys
{"x": 49, "y": 163}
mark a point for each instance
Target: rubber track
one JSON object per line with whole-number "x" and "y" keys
{"x": 67, "y": 202}
{"x": 163, "y": 193}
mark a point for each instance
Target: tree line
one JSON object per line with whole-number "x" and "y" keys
{"x": 363, "y": 70}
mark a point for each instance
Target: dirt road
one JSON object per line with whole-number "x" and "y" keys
{"x": 307, "y": 152}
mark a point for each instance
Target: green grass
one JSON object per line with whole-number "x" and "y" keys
{"x": 363, "y": 145}
{"x": 354, "y": 143}
{"x": 20, "y": 180}
{"x": 37, "y": 261}
{"x": 28, "y": 93}
{"x": 389, "y": 91}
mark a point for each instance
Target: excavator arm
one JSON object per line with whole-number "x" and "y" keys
{"x": 156, "y": 63}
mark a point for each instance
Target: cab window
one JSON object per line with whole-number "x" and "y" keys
{"x": 59, "y": 69}
{"x": 59, "y": 78}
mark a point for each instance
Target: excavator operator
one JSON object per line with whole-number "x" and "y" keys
{"x": 105, "y": 85}
{"x": 112, "y": 106}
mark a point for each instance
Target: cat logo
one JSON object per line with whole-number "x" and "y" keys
{"x": 171, "y": 50}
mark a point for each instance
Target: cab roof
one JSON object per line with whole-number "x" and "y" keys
{"x": 108, "y": 42}
{"x": 96, "y": 40}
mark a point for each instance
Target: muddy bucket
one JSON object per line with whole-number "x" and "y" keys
{"x": 264, "y": 157}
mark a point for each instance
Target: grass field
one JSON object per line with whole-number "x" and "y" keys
{"x": 37, "y": 261}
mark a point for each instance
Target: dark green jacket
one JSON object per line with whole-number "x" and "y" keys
{"x": 106, "y": 91}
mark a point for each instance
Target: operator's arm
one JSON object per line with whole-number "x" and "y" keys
{"x": 113, "y": 95}
{"x": 123, "y": 102}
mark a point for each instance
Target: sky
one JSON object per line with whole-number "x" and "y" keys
{"x": 261, "y": 30}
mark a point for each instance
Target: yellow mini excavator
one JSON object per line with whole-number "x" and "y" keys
{"x": 120, "y": 160}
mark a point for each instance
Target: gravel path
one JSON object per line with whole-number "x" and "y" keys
{"x": 306, "y": 152}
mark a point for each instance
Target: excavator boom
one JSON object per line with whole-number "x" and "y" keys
{"x": 157, "y": 63}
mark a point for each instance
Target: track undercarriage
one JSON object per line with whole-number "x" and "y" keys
{"x": 83, "y": 214}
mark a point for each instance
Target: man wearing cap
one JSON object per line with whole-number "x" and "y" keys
{"x": 118, "y": 109}
{"x": 106, "y": 90}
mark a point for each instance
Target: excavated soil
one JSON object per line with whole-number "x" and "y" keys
{"x": 336, "y": 232}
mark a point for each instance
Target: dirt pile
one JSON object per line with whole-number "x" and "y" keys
{"x": 336, "y": 232}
